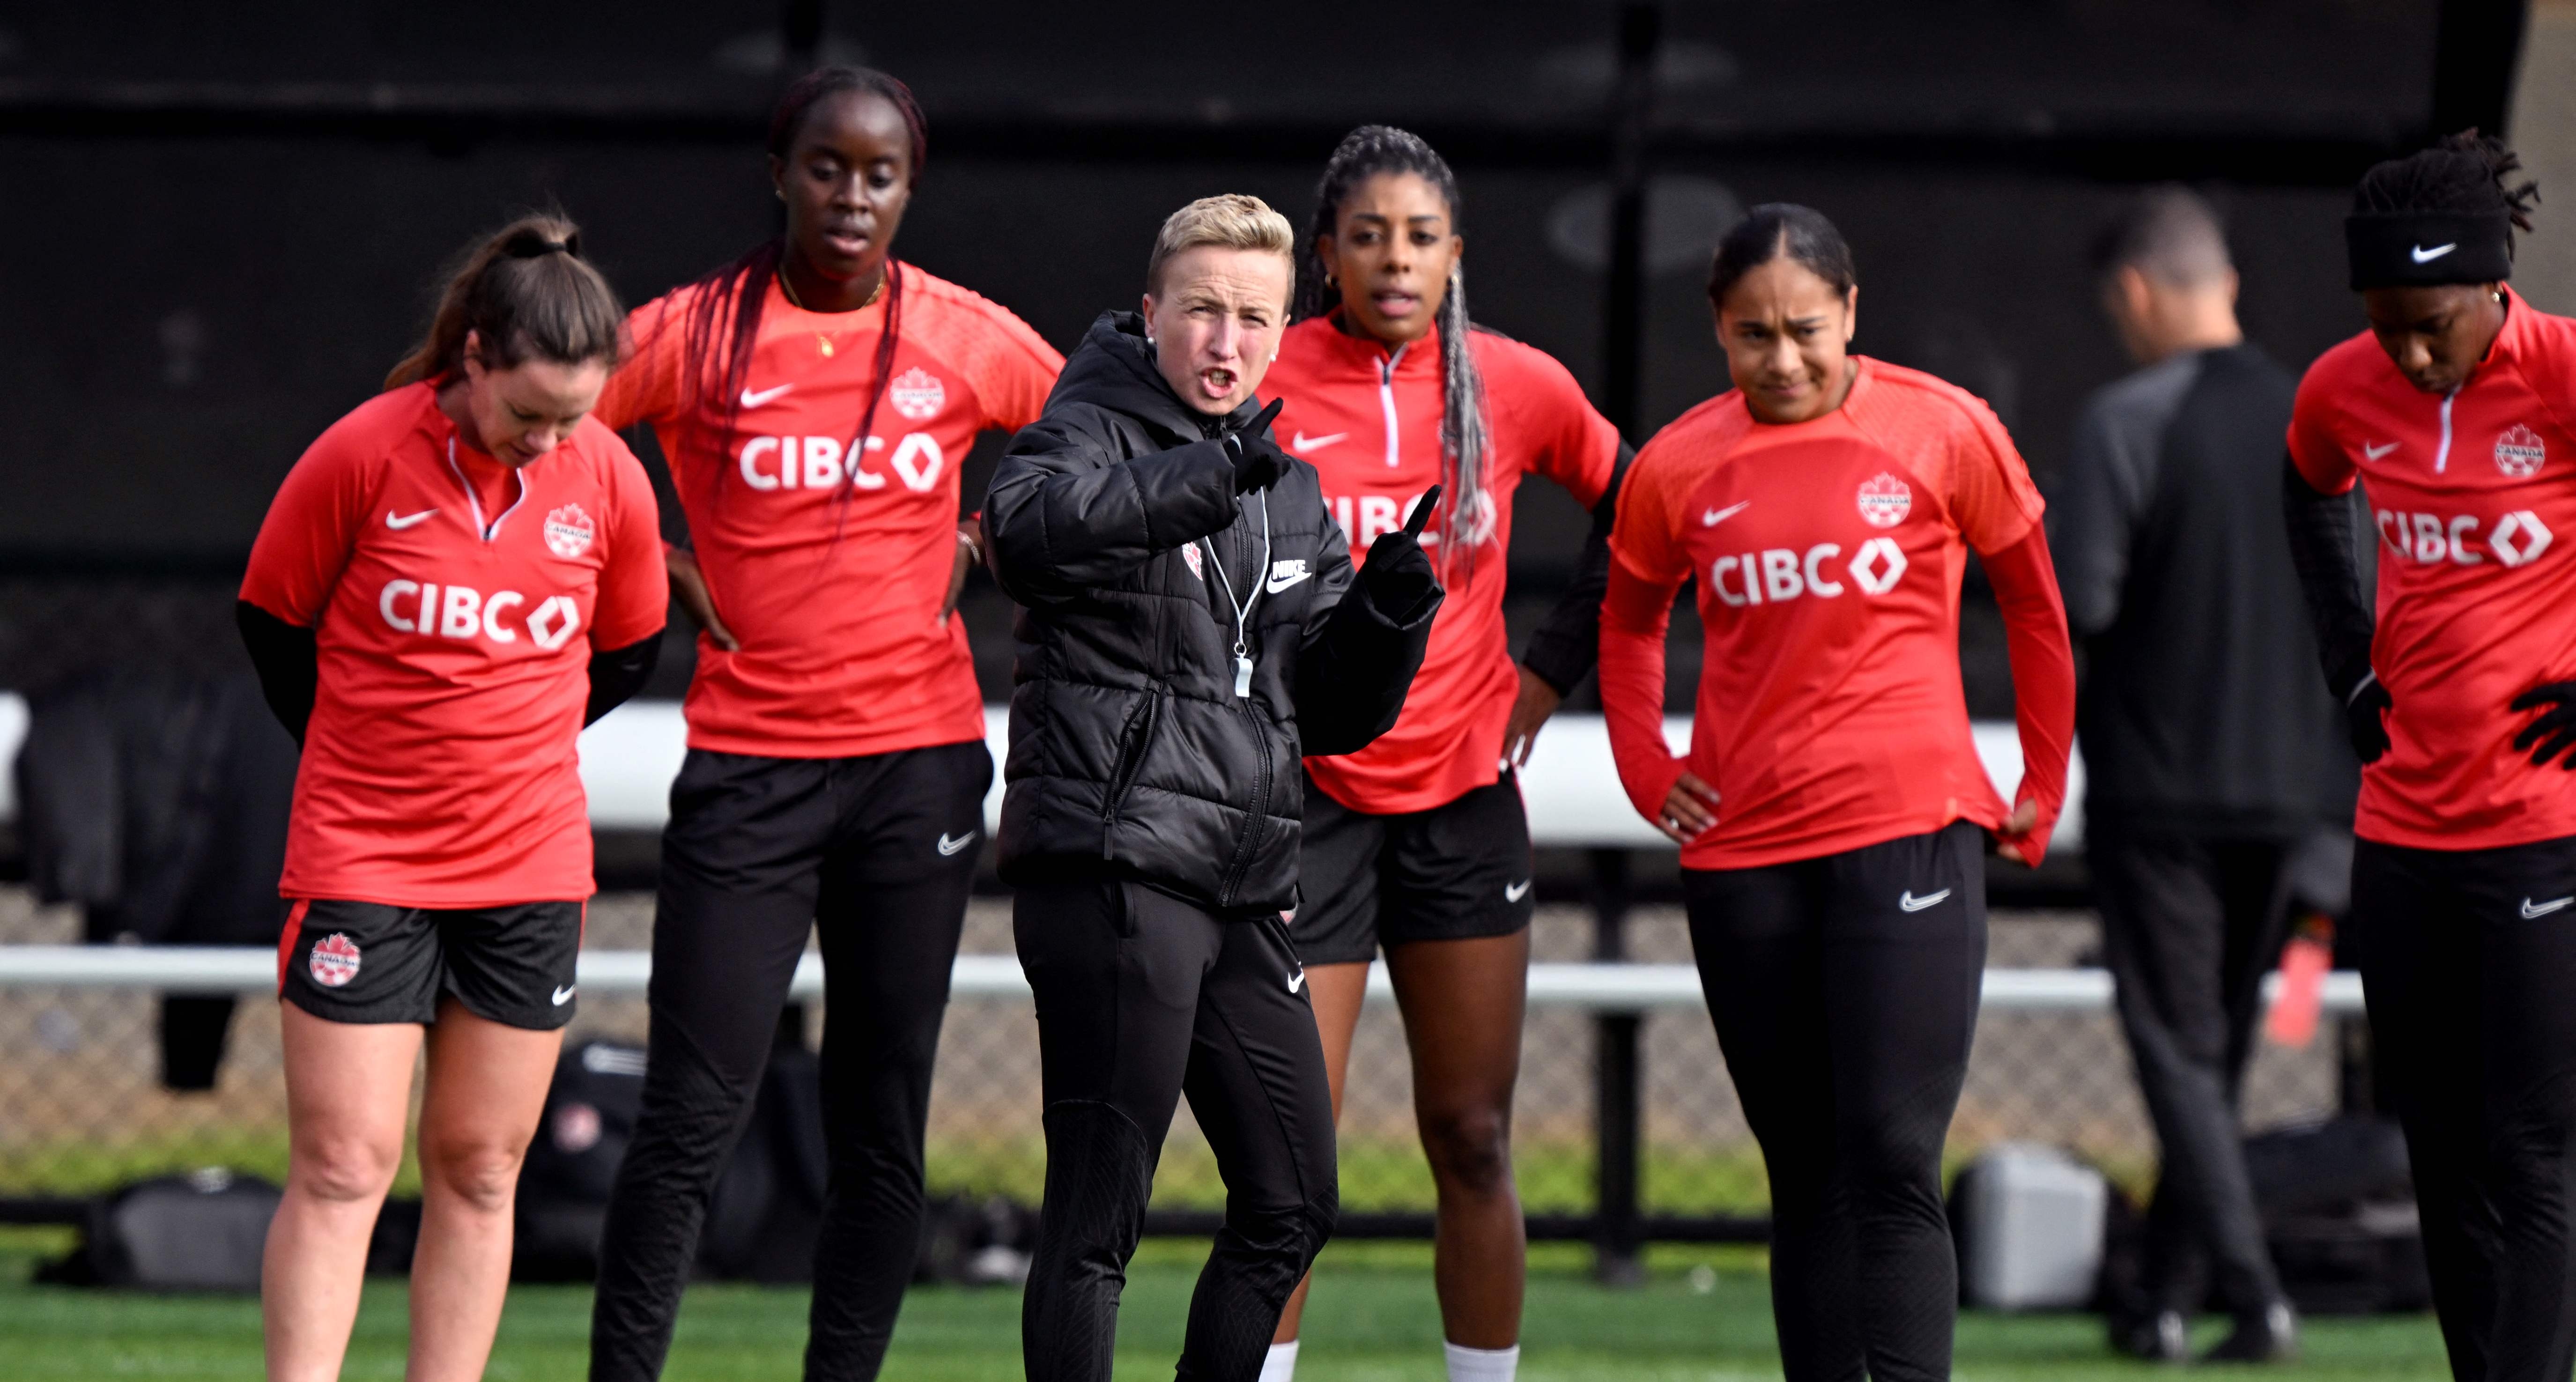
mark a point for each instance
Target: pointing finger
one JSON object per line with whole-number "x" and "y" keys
{"x": 1421, "y": 512}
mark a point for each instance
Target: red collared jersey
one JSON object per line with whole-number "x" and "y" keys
{"x": 829, "y": 560}
{"x": 1369, "y": 419}
{"x": 454, "y": 606}
{"x": 1828, "y": 556}
{"x": 2474, "y": 496}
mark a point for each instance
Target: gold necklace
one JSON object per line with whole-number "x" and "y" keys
{"x": 884, "y": 277}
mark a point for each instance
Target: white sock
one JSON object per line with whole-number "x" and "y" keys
{"x": 1482, "y": 1364}
{"x": 1280, "y": 1364}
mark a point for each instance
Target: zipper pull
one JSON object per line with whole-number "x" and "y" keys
{"x": 1242, "y": 676}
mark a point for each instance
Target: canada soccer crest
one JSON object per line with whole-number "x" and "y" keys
{"x": 917, "y": 394}
{"x": 2520, "y": 451}
{"x": 1885, "y": 501}
{"x": 1190, "y": 554}
{"x": 335, "y": 960}
{"x": 569, "y": 531}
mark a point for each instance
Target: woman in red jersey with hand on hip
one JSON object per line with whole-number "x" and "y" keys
{"x": 1418, "y": 845}
{"x": 454, "y": 580}
{"x": 1832, "y": 811}
{"x": 2456, "y": 413}
{"x": 815, "y": 399}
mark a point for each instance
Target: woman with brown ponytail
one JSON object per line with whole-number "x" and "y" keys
{"x": 815, "y": 400}
{"x": 453, "y": 580}
{"x": 1417, "y": 844}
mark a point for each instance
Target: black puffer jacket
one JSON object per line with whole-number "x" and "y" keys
{"x": 1131, "y": 755}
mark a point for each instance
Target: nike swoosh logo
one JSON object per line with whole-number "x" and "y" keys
{"x": 563, "y": 995}
{"x": 2425, "y": 256}
{"x": 1297, "y": 980}
{"x": 2541, "y": 909}
{"x": 951, "y": 846}
{"x": 1714, "y": 517}
{"x": 1514, "y": 892}
{"x": 1912, "y": 903}
{"x": 398, "y": 524}
{"x": 2372, "y": 453}
{"x": 1302, "y": 442}
{"x": 1280, "y": 583}
{"x": 751, "y": 399}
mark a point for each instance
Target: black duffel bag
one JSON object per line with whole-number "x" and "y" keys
{"x": 2339, "y": 1216}
{"x": 203, "y": 1231}
{"x": 761, "y": 1221}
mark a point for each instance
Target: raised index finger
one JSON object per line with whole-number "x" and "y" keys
{"x": 1421, "y": 512}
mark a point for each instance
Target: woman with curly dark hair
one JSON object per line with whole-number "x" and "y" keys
{"x": 2456, "y": 413}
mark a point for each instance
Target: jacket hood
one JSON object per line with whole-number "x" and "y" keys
{"x": 1114, "y": 369}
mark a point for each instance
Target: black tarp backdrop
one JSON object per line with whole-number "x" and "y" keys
{"x": 222, "y": 223}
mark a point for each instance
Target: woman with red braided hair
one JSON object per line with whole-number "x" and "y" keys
{"x": 815, "y": 399}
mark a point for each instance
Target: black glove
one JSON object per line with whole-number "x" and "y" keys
{"x": 2555, "y": 730}
{"x": 1398, "y": 578}
{"x": 2364, "y": 711}
{"x": 1258, "y": 461}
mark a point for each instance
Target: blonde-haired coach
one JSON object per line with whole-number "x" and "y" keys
{"x": 1191, "y": 625}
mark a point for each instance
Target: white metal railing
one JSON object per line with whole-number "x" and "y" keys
{"x": 1589, "y": 987}
{"x": 629, "y": 758}
{"x": 1571, "y": 786}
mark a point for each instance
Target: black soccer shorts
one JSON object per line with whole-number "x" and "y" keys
{"x": 1458, "y": 871}
{"x": 370, "y": 962}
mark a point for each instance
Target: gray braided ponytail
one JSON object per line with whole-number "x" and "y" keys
{"x": 1464, "y": 432}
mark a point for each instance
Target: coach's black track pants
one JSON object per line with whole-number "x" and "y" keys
{"x": 1140, "y": 998}
{"x": 877, "y": 854}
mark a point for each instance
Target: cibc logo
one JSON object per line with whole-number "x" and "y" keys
{"x": 462, "y": 612}
{"x": 2514, "y": 539}
{"x": 1776, "y": 574}
{"x": 773, "y": 463}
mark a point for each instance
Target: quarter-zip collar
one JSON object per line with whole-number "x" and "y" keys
{"x": 2505, "y": 352}
{"x": 1412, "y": 364}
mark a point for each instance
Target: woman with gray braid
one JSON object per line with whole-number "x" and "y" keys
{"x": 1417, "y": 844}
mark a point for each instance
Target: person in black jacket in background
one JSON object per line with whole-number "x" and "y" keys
{"x": 1190, "y": 626}
{"x": 2210, "y": 748}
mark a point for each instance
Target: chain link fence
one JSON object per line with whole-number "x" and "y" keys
{"x": 83, "y": 1107}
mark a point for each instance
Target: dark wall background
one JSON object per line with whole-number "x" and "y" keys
{"x": 220, "y": 224}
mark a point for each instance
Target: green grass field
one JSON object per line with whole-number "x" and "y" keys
{"x": 1372, "y": 1319}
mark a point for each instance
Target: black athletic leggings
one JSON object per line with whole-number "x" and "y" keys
{"x": 1140, "y": 998}
{"x": 2469, "y": 961}
{"x": 877, "y": 853}
{"x": 1845, "y": 989}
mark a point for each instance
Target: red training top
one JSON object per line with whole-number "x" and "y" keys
{"x": 2475, "y": 498}
{"x": 455, "y": 604}
{"x": 827, "y": 561}
{"x": 1829, "y": 555}
{"x": 1369, "y": 419}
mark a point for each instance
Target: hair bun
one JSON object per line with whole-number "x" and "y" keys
{"x": 533, "y": 245}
